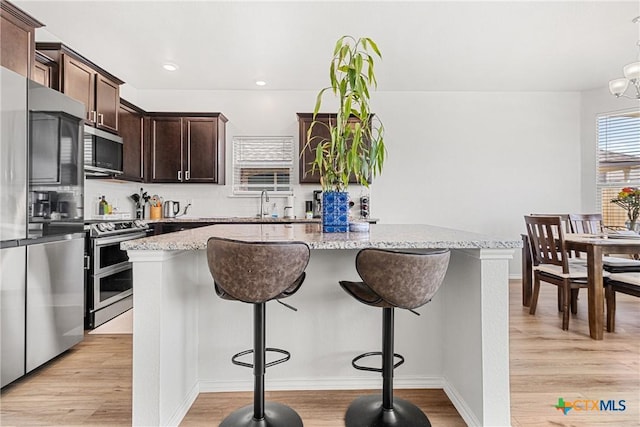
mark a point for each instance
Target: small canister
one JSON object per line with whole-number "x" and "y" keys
{"x": 308, "y": 209}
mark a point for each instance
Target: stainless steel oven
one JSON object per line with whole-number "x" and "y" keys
{"x": 110, "y": 275}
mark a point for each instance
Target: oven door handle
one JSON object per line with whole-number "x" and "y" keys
{"x": 110, "y": 270}
{"x": 102, "y": 241}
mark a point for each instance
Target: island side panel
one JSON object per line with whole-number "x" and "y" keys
{"x": 495, "y": 336}
{"x": 476, "y": 344}
{"x": 165, "y": 328}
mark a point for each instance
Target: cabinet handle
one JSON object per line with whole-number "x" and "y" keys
{"x": 179, "y": 175}
{"x": 101, "y": 119}
{"x": 187, "y": 175}
{"x": 188, "y": 148}
{"x": 142, "y": 148}
{"x": 92, "y": 116}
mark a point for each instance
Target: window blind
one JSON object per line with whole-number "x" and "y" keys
{"x": 618, "y": 160}
{"x": 262, "y": 163}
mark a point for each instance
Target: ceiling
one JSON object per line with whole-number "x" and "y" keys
{"x": 426, "y": 45}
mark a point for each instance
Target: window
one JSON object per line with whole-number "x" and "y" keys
{"x": 262, "y": 163}
{"x": 618, "y": 161}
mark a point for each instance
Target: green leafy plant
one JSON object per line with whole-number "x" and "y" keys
{"x": 356, "y": 143}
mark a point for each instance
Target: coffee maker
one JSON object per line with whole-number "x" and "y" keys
{"x": 40, "y": 204}
{"x": 317, "y": 203}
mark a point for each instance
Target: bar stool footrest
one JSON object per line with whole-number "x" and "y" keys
{"x": 374, "y": 353}
{"x": 235, "y": 361}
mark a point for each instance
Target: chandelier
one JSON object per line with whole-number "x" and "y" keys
{"x": 618, "y": 87}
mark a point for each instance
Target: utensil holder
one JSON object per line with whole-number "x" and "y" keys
{"x": 156, "y": 212}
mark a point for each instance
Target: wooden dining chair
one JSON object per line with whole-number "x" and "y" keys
{"x": 551, "y": 263}
{"x": 564, "y": 218}
{"x": 586, "y": 223}
{"x": 593, "y": 224}
{"x": 626, "y": 283}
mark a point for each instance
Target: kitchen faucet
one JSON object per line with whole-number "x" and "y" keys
{"x": 266, "y": 199}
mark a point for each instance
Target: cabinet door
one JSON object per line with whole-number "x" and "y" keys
{"x": 166, "y": 149}
{"x": 107, "y": 103}
{"x": 131, "y": 124}
{"x": 78, "y": 82}
{"x": 200, "y": 149}
{"x": 41, "y": 74}
{"x": 15, "y": 46}
{"x": 308, "y": 151}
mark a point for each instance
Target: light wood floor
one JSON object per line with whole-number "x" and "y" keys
{"x": 91, "y": 384}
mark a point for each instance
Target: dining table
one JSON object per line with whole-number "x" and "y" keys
{"x": 594, "y": 246}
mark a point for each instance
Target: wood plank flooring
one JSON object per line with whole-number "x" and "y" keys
{"x": 91, "y": 383}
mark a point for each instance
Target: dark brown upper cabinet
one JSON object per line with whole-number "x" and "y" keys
{"x": 17, "y": 39}
{"x": 44, "y": 70}
{"x": 187, "y": 147}
{"x": 308, "y": 152}
{"x": 133, "y": 128}
{"x": 86, "y": 82}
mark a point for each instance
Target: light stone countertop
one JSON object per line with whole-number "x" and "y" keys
{"x": 231, "y": 220}
{"x": 386, "y": 236}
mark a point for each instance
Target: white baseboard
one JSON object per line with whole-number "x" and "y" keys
{"x": 182, "y": 410}
{"x": 463, "y": 409}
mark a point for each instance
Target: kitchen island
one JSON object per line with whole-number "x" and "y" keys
{"x": 184, "y": 335}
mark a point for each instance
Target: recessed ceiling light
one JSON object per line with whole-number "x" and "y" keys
{"x": 169, "y": 66}
{"x": 261, "y": 82}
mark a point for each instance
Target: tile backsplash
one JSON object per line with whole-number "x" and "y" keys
{"x": 207, "y": 200}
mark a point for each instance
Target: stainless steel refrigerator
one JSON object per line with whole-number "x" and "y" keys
{"x": 41, "y": 225}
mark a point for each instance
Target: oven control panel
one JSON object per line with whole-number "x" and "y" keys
{"x": 117, "y": 227}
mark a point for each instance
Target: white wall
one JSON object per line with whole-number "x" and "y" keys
{"x": 469, "y": 160}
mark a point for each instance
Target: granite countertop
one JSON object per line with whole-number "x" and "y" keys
{"x": 379, "y": 236}
{"x": 232, "y": 220}
{"x": 243, "y": 220}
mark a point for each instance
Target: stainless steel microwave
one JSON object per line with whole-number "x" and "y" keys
{"x": 102, "y": 152}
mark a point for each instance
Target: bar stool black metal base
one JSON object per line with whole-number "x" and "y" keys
{"x": 275, "y": 415}
{"x": 366, "y": 411}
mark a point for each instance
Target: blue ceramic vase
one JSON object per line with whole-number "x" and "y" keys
{"x": 335, "y": 211}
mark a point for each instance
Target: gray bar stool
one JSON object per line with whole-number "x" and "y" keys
{"x": 254, "y": 273}
{"x": 392, "y": 279}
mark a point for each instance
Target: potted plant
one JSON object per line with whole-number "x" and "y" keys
{"x": 355, "y": 146}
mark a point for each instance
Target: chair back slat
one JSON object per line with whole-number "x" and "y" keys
{"x": 564, "y": 218}
{"x": 546, "y": 238}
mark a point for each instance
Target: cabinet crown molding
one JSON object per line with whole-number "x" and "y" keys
{"x": 19, "y": 14}
{"x": 45, "y": 46}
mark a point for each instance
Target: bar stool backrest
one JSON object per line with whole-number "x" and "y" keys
{"x": 256, "y": 272}
{"x": 403, "y": 279}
